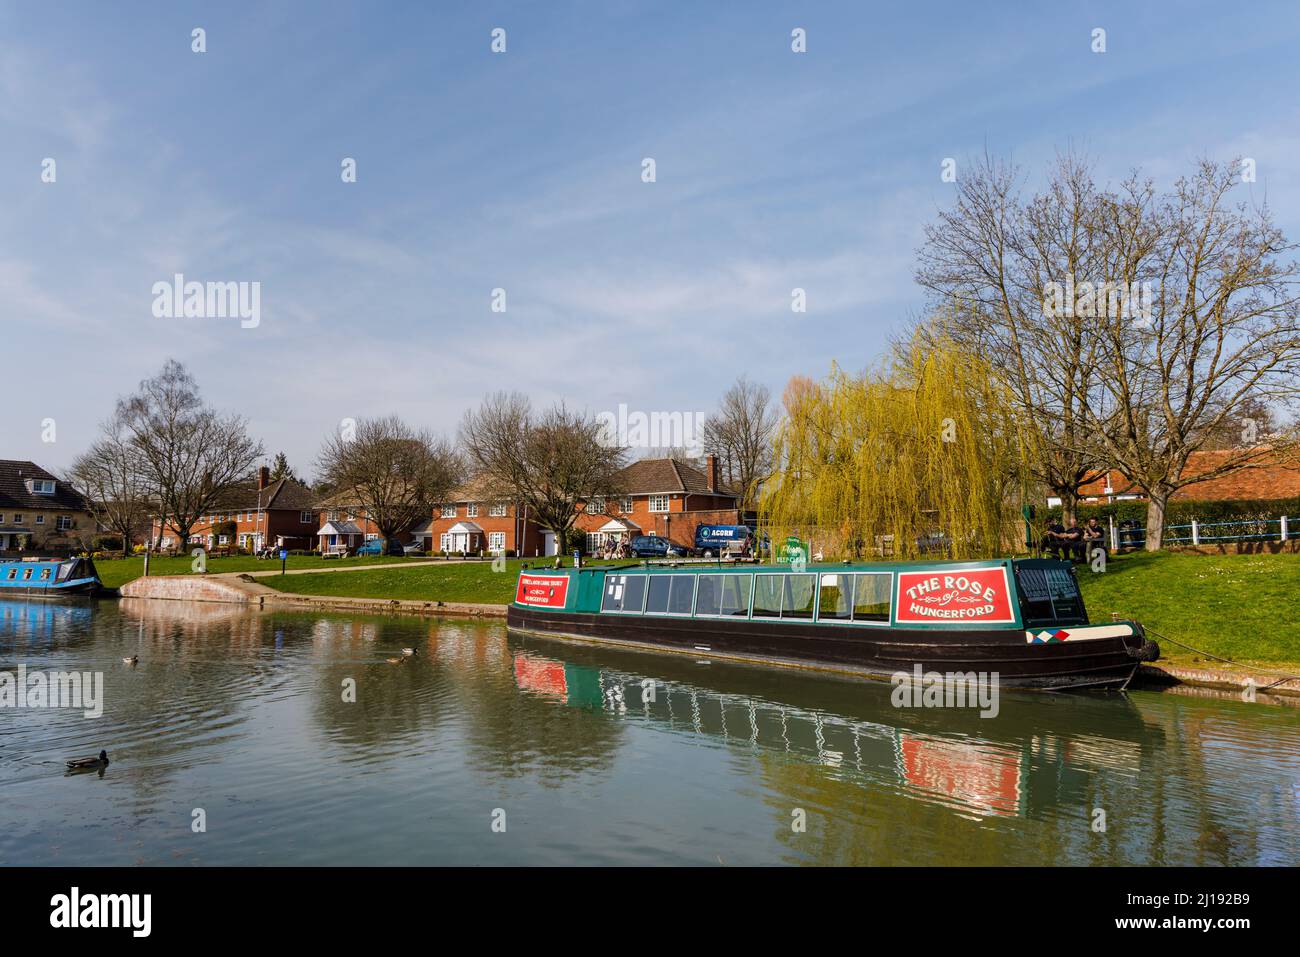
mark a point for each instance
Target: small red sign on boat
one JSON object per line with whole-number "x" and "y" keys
{"x": 549, "y": 591}
{"x": 976, "y": 596}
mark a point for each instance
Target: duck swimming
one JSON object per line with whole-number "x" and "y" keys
{"x": 133, "y": 660}
{"x": 89, "y": 764}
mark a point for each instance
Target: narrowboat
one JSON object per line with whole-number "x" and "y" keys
{"x": 48, "y": 578}
{"x": 1021, "y": 618}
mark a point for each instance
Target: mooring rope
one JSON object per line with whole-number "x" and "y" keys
{"x": 1285, "y": 676}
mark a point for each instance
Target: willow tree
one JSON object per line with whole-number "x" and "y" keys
{"x": 925, "y": 453}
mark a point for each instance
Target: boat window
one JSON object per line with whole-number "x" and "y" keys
{"x": 657, "y": 600}
{"x": 836, "y": 600}
{"x": 709, "y": 596}
{"x": 1049, "y": 594}
{"x": 27, "y": 574}
{"x": 634, "y": 593}
{"x": 799, "y": 595}
{"x": 613, "y": 597}
{"x": 735, "y": 594}
{"x": 45, "y": 574}
{"x": 13, "y": 573}
{"x": 767, "y": 596}
{"x": 871, "y": 596}
{"x": 682, "y": 596}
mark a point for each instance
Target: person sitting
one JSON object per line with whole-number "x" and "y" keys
{"x": 1072, "y": 540}
{"x": 1054, "y": 540}
{"x": 1094, "y": 536}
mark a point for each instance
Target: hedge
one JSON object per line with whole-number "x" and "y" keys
{"x": 1182, "y": 511}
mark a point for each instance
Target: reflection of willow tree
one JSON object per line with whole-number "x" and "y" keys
{"x": 926, "y": 444}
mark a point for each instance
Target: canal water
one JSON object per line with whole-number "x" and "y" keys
{"x": 232, "y": 742}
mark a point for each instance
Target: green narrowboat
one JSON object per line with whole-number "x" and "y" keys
{"x": 1021, "y": 618}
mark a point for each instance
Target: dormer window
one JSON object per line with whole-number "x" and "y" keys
{"x": 40, "y": 486}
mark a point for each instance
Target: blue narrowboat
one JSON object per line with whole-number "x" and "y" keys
{"x": 49, "y": 578}
{"x": 1021, "y": 618}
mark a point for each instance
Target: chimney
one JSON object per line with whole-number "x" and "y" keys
{"x": 711, "y": 471}
{"x": 263, "y": 478}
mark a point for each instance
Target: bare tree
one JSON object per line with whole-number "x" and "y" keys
{"x": 549, "y": 462}
{"x": 396, "y": 473}
{"x": 741, "y": 434}
{"x": 1223, "y": 333}
{"x": 189, "y": 455}
{"x": 108, "y": 473}
{"x": 988, "y": 262}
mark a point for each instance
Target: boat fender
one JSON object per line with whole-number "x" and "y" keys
{"x": 1147, "y": 651}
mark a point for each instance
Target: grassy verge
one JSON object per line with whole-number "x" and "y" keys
{"x": 1238, "y": 606}
{"x": 116, "y": 572}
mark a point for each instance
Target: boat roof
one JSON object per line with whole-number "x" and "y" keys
{"x": 825, "y": 568}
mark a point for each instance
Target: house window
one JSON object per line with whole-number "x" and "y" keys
{"x": 371, "y": 536}
{"x": 496, "y": 541}
{"x": 449, "y": 511}
{"x": 40, "y": 519}
{"x": 596, "y": 506}
{"x": 444, "y": 542}
{"x": 658, "y": 503}
{"x": 498, "y": 510}
{"x": 471, "y": 510}
{"x": 332, "y": 515}
{"x": 223, "y": 540}
{"x": 18, "y": 518}
{"x": 305, "y": 518}
{"x": 626, "y": 504}
{"x": 595, "y": 542}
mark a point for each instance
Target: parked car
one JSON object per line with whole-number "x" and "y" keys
{"x": 711, "y": 540}
{"x": 652, "y": 546}
{"x": 376, "y": 547}
{"x": 415, "y": 548}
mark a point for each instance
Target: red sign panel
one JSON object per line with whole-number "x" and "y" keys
{"x": 548, "y": 591}
{"x": 976, "y": 596}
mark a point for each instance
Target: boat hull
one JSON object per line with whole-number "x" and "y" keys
{"x": 83, "y": 589}
{"x": 876, "y": 653}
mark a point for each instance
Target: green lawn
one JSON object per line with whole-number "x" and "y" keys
{"x": 116, "y": 572}
{"x": 456, "y": 581}
{"x": 1242, "y": 607}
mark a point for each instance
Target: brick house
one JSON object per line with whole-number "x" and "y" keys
{"x": 478, "y": 519}
{"x": 661, "y": 497}
{"x": 253, "y": 515}
{"x": 1272, "y": 480}
{"x": 344, "y": 524}
{"x": 38, "y": 511}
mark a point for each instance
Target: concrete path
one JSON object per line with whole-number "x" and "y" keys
{"x": 342, "y": 568}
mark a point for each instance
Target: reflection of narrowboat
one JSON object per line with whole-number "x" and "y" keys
{"x": 1023, "y": 619}
{"x": 49, "y": 578}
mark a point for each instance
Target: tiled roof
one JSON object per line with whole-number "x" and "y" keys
{"x": 14, "y": 494}
{"x": 664, "y": 475}
{"x": 284, "y": 493}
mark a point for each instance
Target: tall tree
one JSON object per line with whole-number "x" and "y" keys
{"x": 1224, "y": 332}
{"x": 549, "y": 462}
{"x": 189, "y": 455}
{"x": 988, "y": 261}
{"x": 393, "y": 471}
{"x": 108, "y": 473}
{"x": 927, "y": 452}
{"x": 280, "y": 468}
{"x": 740, "y": 433}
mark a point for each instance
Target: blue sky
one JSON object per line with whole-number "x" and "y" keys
{"x": 522, "y": 171}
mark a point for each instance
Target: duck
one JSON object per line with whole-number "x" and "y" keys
{"x": 133, "y": 660}
{"x": 410, "y": 652}
{"x": 395, "y": 661}
{"x": 89, "y": 764}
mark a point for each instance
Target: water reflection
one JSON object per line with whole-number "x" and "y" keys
{"x": 306, "y": 746}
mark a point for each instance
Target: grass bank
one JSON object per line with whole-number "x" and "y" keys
{"x": 116, "y": 572}
{"x": 1242, "y": 607}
